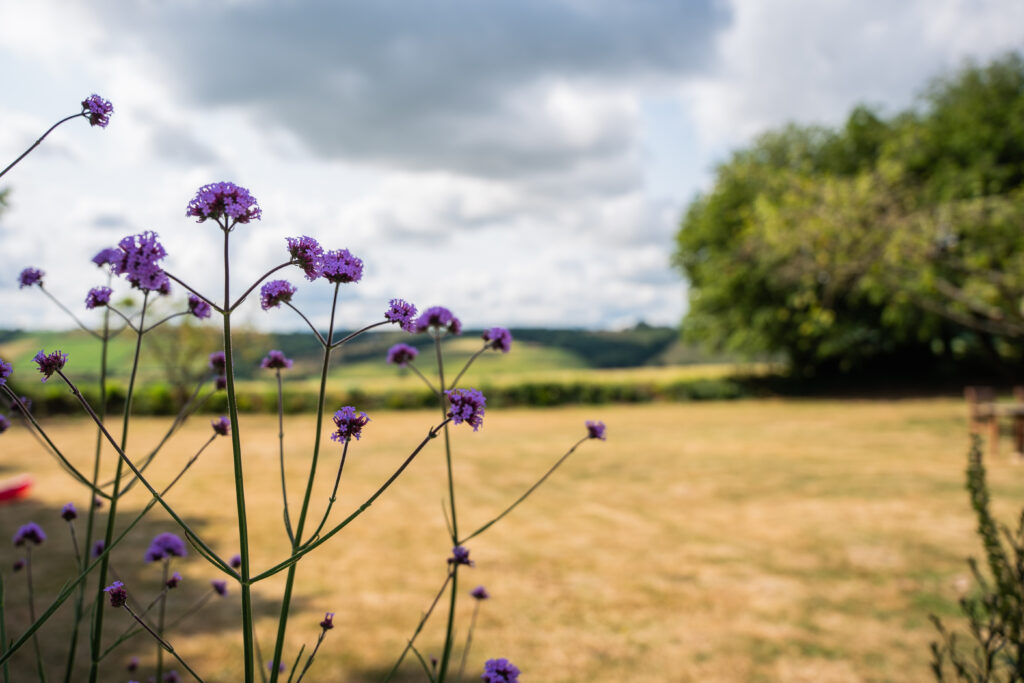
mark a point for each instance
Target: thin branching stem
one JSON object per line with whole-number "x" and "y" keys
{"x": 36, "y": 143}
{"x": 358, "y": 332}
{"x": 424, "y": 378}
{"x": 320, "y": 337}
{"x": 189, "y": 288}
{"x": 172, "y": 316}
{"x": 469, "y": 640}
{"x": 419, "y": 627}
{"x": 469, "y": 362}
{"x": 334, "y": 492}
{"x": 74, "y": 317}
{"x": 32, "y": 610}
{"x": 256, "y": 284}
{"x": 163, "y": 643}
{"x": 449, "y": 631}
{"x": 280, "y": 452}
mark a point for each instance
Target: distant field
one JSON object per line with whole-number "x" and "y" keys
{"x": 741, "y": 541}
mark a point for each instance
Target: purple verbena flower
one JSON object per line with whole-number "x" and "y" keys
{"x": 98, "y": 297}
{"x": 98, "y": 110}
{"x": 341, "y": 266}
{"x": 165, "y": 545}
{"x": 97, "y": 502}
{"x": 401, "y": 312}
{"x": 466, "y": 405}
{"x": 221, "y": 382}
{"x": 500, "y": 671}
{"x": 218, "y": 200}
{"x": 5, "y": 371}
{"x": 29, "y": 533}
{"x": 19, "y": 564}
{"x": 595, "y": 430}
{"x": 49, "y": 364}
{"x": 217, "y": 362}
{"x": 5, "y": 424}
{"x": 198, "y": 307}
{"x": 281, "y": 666}
{"x": 307, "y": 253}
{"x": 107, "y": 257}
{"x": 69, "y": 512}
{"x": 402, "y": 354}
{"x": 29, "y": 277}
{"x": 349, "y": 423}
{"x": 221, "y": 587}
{"x": 173, "y": 580}
{"x": 438, "y": 318}
{"x": 222, "y": 425}
{"x": 24, "y": 402}
{"x": 171, "y": 677}
{"x": 275, "y": 293}
{"x": 480, "y": 593}
{"x": 236, "y": 561}
{"x": 275, "y": 359}
{"x": 98, "y": 547}
{"x": 498, "y": 338}
{"x": 133, "y": 664}
{"x": 138, "y": 262}
{"x": 460, "y": 555}
{"x": 118, "y": 594}
{"x": 328, "y": 623}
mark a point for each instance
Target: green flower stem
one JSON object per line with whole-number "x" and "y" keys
{"x": 236, "y": 449}
{"x": 465, "y": 367}
{"x": 160, "y": 623}
{"x": 523, "y": 497}
{"x": 280, "y": 452}
{"x": 334, "y": 492}
{"x": 419, "y": 627}
{"x": 469, "y": 640}
{"x": 423, "y": 663}
{"x": 64, "y": 308}
{"x": 449, "y": 633}
{"x": 286, "y": 599}
{"x": 451, "y": 504}
{"x": 97, "y": 624}
{"x": 32, "y": 611}
{"x": 311, "y": 545}
{"x": 135, "y": 630}
{"x": 295, "y": 664}
{"x": 424, "y": 378}
{"x": 163, "y": 643}
{"x": 320, "y": 337}
{"x": 358, "y": 332}
{"x": 312, "y": 655}
{"x": 127, "y": 321}
{"x": 257, "y": 284}
{"x": 186, "y": 286}
{"x": 36, "y": 143}
{"x": 158, "y": 323}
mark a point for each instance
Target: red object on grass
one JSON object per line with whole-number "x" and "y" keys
{"x": 13, "y": 489}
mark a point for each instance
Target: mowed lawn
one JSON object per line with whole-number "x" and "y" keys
{"x": 740, "y": 541}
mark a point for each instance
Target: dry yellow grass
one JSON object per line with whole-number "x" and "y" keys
{"x": 745, "y": 541}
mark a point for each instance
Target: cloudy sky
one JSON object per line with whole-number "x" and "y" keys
{"x": 523, "y": 162}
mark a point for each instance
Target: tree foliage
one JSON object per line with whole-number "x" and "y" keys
{"x": 885, "y": 235}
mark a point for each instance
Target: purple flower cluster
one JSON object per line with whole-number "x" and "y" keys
{"x": 198, "y": 307}
{"x": 341, "y": 266}
{"x": 218, "y": 200}
{"x": 29, "y": 277}
{"x": 466, "y": 405}
{"x": 165, "y": 545}
{"x": 402, "y": 354}
{"x": 5, "y": 371}
{"x": 173, "y": 580}
{"x": 29, "y": 533}
{"x": 460, "y": 555}
{"x": 222, "y": 425}
{"x": 118, "y": 594}
{"x": 5, "y": 424}
{"x": 595, "y": 430}
{"x": 498, "y": 338}
{"x": 350, "y": 424}
{"x": 68, "y": 512}
{"x": 500, "y": 671}
{"x": 107, "y": 257}
{"x": 328, "y": 623}
{"x": 49, "y": 364}
{"x": 97, "y": 547}
{"x": 221, "y": 587}
{"x": 235, "y": 561}
{"x": 438, "y": 318}
{"x": 98, "y": 297}
{"x": 138, "y": 262}
{"x": 98, "y": 110}
{"x": 480, "y": 593}
{"x": 275, "y": 293}
{"x": 275, "y": 359}
{"x": 401, "y": 312}
{"x": 307, "y": 253}
{"x": 217, "y": 362}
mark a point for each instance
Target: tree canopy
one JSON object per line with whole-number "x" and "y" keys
{"x": 884, "y": 236}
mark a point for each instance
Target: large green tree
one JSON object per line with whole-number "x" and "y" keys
{"x": 886, "y": 236}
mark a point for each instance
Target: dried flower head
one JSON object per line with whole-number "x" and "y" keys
{"x": 498, "y": 338}
{"x": 29, "y": 277}
{"x": 29, "y": 533}
{"x": 341, "y": 266}
{"x": 49, "y": 364}
{"x": 328, "y": 622}
{"x": 275, "y": 359}
{"x": 480, "y": 593}
{"x": 173, "y": 580}
{"x": 118, "y": 594}
{"x": 224, "y": 200}
{"x": 97, "y": 110}
{"x": 438, "y": 318}
{"x": 198, "y": 307}
{"x": 221, "y": 587}
{"x": 595, "y": 430}
{"x": 165, "y": 545}
{"x": 466, "y": 405}
{"x": 401, "y": 312}
{"x": 133, "y": 664}
{"x": 402, "y": 354}
{"x": 275, "y": 293}
{"x": 500, "y": 671}
{"x": 350, "y": 424}
{"x": 222, "y": 426}
{"x": 138, "y": 262}
{"x": 307, "y": 253}
{"x": 69, "y": 512}
{"x": 460, "y": 555}
{"x": 98, "y": 297}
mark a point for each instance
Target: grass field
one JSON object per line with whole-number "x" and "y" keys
{"x": 741, "y": 541}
